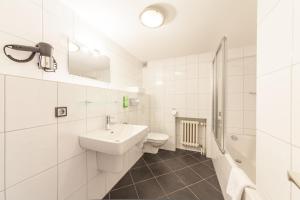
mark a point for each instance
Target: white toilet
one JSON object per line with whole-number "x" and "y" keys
{"x": 154, "y": 141}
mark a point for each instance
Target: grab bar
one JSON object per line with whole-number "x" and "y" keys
{"x": 294, "y": 177}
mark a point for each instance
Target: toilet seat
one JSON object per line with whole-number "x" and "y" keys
{"x": 156, "y": 137}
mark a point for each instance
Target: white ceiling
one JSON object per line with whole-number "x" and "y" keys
{"x": 197, "y": 27}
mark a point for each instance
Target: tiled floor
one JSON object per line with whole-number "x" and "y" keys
{"x": 169, "y": 175}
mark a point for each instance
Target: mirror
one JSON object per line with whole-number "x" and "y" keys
{"x": 88, "y": 63}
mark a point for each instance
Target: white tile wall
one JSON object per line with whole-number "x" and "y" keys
{"x": 68, "y": 139}
{"x": 2, "y": 196}
{"x": 278, "y": 99}
{"x": 73, "y": 97}
{"x": 273, "y": 104}
{"x": 295, "y": 167}
{"x": 29, "y": 103}
{"x": 296, "y": 105}
{"x": 72, "y": 175}
{"x": 29, "y": 152}
{"x": 1, "y": 104}
{"x": 271, "y": 175}
{"x": 33, "y": 152}
{"x": 2, "y": 162}
{"x": 42, "y": 186}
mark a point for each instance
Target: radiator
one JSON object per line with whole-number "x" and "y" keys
{"x": 190, "y": 133}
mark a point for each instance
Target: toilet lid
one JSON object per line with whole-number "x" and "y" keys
{"x": 157, "y": 136}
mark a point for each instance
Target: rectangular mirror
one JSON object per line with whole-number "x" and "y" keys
{"x": 88, "y": 63}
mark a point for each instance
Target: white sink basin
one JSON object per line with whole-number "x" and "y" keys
{"x": 116, "y": 141}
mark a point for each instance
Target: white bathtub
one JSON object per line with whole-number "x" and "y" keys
{"x": 242, "y": 150}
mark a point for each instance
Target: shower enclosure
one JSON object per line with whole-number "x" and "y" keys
{"x": 218, "y": 121}
{"x": 233, "y": 89}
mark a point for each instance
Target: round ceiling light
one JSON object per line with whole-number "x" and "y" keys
{"x": 152, "y": 17}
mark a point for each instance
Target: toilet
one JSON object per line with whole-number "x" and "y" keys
{"x": 154, "y": 141}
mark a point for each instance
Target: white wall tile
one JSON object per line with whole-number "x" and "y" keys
{"x": 271, "y": 176}
{"x": 296, "y": 42}
{"x": 296, "y": 106}
{"x": 295, "y": 167}
{"x": 73, "y": 97}
{"x": 234, "y": 101}
{"x": 249, "y": 119}
{"x": 235, "y": 53}
{"x": 68, "y": 139}
{"x": 81, "y": 194}
{"x": 2, "y": 196}
{"x": 96, "y": 102}
{"x": 250, "y": 65}
{"x": 249, "y": 101}
{"x": 96, "y": 187}
{"x": 249, "y": 51}
{"x": 2, "y": 162}
{"x": 234, "y": 84}
{"x": 29, "y": 152}
{"x": 71, "y": 176}
{"x": 24, "y": 96}
{"x": 234, "y": 119}
{"x": 235, "y": 67}
{"x": 249, "y": 84}
{"x": 273, "y": 104}
{"x": 277, "y": 29}
{"x": 43, "y": 186}
{"x": 1, "y": 104}
{"x": 30, "y": 27}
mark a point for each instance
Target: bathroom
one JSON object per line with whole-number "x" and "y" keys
{"x": 173, "y": 99}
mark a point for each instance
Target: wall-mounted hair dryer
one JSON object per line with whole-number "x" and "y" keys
{"x": 46, "y": 59}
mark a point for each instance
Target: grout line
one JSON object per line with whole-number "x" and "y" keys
{"x": 57, "y": 144}
{"x": 33, "y": 127}
{"x": 33, "y": 176}
{"x": 134, "y": 185}
{"x": 5, "y": 146}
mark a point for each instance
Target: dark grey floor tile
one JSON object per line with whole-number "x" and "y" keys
{"x": 164, "y": 154}
{"x": 149, "y": 189}
{"x": 183, "y": 194}
{"x": 188, "y": 160}
{"x": 206, "y": 192}
{"x": 170, "y": 182}
{"x": 159, "y": 168}
{"x": 214, "y": 181}
{"x": 200, "y": 157}
{"x": 203, "y": 170}
{"x": 139, "y": 163}
{"x": 141, "y": 173}
{"x": 124, "y": 193}
{"x": 209, "y": 163}
{"x": 188, "y": 176}
{"x": 175, "y": 164}
{"x": 125, "y": 181}
{"x": 151, "y": 158}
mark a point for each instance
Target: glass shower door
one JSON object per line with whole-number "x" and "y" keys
{"x": 219, "y": 65}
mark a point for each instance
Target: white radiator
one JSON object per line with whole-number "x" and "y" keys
{"x": 190, "y": 133}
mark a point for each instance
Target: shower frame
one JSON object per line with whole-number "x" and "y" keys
{"x": 218, "y": 94}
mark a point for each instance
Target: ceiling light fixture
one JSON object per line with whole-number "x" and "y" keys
{"x": 152, "y": 17}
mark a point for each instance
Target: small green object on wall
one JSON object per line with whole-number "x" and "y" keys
{"x": 125, "y": 101}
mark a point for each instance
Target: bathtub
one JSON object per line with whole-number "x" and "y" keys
{"x": 240, "y": 151}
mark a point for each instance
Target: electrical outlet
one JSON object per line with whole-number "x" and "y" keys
{"x": 61, "y": 111}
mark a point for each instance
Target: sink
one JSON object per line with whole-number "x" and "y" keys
{"x": 116, "y": 141}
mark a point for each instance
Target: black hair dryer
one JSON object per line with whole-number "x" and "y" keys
{"x": 46, "y": 60}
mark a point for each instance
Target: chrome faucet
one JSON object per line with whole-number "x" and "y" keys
{"x": 108, "y": 122}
